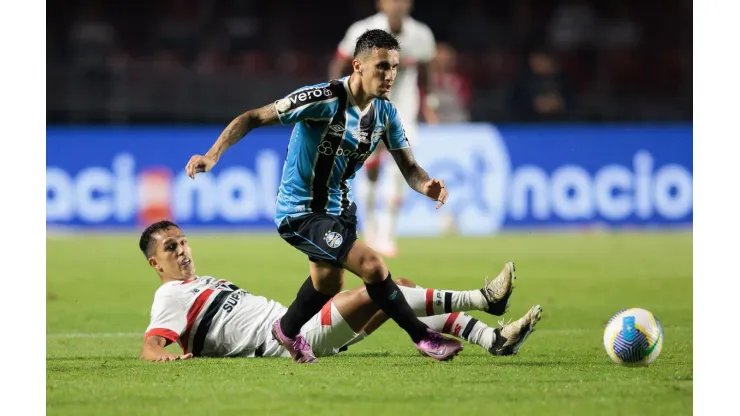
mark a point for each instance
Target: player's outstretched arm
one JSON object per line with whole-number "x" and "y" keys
{"x": 153, "y": 350}
{"x": 417, "y": 178}
{"x": 235, "y": 131}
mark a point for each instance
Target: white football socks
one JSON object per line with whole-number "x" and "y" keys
{"x": 462, "y": 325}
{"x": 428, "y": 302}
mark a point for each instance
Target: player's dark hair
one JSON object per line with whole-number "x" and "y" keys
{"x": 376, "y": 38}
{"x": 146, "y": 239}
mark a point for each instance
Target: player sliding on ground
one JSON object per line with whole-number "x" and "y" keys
{"x": 215, "y": 318}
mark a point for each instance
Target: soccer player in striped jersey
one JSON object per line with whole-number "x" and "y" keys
{"x": 209, "y": 317}
{"x": 337, "y": 125}
{"x": 413, "y": 81}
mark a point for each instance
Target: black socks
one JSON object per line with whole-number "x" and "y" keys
{"x": 391, "y": 301}
{"x": 308, "y": 302}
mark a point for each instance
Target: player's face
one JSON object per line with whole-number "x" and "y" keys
{"x": 379, "y": 72}
{"x": 172, "y": 257}
{"x": 395, "y": 8}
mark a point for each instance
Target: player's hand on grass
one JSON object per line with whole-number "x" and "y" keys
{"x": 435, "y": 189}
{"x": 198, "y": 164}
{"x": 166, "y": 356}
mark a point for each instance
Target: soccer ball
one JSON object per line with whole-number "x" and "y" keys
{"x": 633, "y": 337}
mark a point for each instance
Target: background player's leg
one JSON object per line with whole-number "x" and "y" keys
{"x": 370, "y": 219}
{"x": 325, "y": 281}
{"x": 387, "y": 244}
{"x": 387, "y": 234}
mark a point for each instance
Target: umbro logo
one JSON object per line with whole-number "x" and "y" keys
{"x": 336, "y": 130}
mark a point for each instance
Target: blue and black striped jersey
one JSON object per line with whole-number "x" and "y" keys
{"x": 332, "y": 137}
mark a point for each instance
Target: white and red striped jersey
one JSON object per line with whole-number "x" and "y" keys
{"x": 213, "y": 318}
{"x": 417, "y": 46}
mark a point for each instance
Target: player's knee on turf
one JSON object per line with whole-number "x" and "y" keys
{"x": 404, "y": 282}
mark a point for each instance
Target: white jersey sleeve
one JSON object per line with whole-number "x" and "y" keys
{"x": 168, "y": 317}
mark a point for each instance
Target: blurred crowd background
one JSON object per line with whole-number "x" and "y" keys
{"x": 204, "y": 61}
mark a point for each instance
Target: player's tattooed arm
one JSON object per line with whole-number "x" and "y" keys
{"x": 235, "y": 131}
{"x": 241, "y": 126}
{"x": 415, "y": 176}
{"x": 418, "y": 179}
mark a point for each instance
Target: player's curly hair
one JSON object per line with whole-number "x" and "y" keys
{"x": 376, "y": 38}
{"x": 146, "y": 239}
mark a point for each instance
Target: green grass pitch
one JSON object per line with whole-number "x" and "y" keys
{"x": 99, "y": 292}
